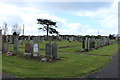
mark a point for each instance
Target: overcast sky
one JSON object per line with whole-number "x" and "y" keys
{"x": 76, "y": 18}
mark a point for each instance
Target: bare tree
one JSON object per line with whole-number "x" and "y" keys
{"x": 16, "y": 30}
{"x": 5, "y": 29}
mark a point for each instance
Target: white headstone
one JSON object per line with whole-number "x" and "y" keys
{"x": 35, "y": 48}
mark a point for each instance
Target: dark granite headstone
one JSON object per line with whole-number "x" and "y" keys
{"x": 48, "y": 49}
{"x": 55, "y": 50}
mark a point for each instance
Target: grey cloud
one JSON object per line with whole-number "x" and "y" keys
{"x": 63, "y": 6}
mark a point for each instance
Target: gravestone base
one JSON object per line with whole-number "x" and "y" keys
{"x": 82, "y": 50}
{"x": 27, "y": 54}
{"x": 35, "y": 55}
{"x": 92, "y": 48}
{"x": 15, "y": 52}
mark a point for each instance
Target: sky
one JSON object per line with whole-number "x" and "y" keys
{"x": 73, "y": 18}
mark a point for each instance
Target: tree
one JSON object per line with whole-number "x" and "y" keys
{"x": 47, "y": 26}
{"x": 16, "y": 30}
{"x": 5, "y": 29}
{"x": 110, "y": 36}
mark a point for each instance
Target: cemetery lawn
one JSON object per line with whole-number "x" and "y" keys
{"x": 70, "y": 66}
{"x": 109, "y": 50}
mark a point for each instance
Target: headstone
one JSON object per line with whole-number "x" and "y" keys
{"x": 92, "y": 45}
{"x": 86, "y": 43}
{"x": 29, "y": 37}
{"x": 10, "y": 40}
{"x": 16, "y": 41}
{"x": 70, "y": 39}
{"x": 20, "y": 42}
{"x": 83, "y": 43}
{"x": 36, "y": 50}
{"x": 28, "y": 49}
{"x": 0, "y": 40}
{"x": 88, "y": 48}
{"x": 54, "y": 51}
{"x": 48, "y": 50}
{"x": 5, "y": 48}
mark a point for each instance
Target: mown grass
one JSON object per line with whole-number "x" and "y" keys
{"x": 70, "y": 66}
{"x": 43, "y": 44}
{"x": 71, "y": 49}
{"x": 0, "y": 64}
{"x": 109, "y": 50}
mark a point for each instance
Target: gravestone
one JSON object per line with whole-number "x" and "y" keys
{"x": 92, "y": 46}
{"x": 97, "y": 43}
{"x": 88, "y": 44}
{"x": 36, "y": 50}
{"x": 28, "y": 49}
{"x": 83, "y": 43}
{"x": 10, "y": 40}
{"x": 20, "y": 42}
{"x": 48, "y": 50}
{"x": 0, "y": 40}
{"x": 5, "y": 48}
{"x": 32, "y": 44}
{"x": 29, "y": 37}
{"x": 16, "y": 43}
{"x": 54, "y": 51}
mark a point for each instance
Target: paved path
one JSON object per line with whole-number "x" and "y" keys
{"x": 7, "y": 76}
{"x": 109, "y": 71}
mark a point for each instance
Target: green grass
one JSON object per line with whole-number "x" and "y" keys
{"x": 43, "y": 44}
{"x": 109, "y": 50}
{"x": 60, "y": 43}
{"x": 70, "y": 66}
{"x": 0, "y": 63}
{"x": 72, "y": 49}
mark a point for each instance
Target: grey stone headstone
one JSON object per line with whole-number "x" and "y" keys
{"x": 5, "y": 48}
{"x": 0, "y": 40}
{"x": 55, "y": 50}
{"x": 11, "y": 39}
{"x": 16, "y": 43}
{"x": 88, "y": 44}
{"x": 48, "y": 49}
{"x": 31, "y": 45}
{"x": 29, "y": 37}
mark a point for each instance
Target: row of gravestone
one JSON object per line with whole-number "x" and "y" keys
{"x": 32, "y": 49}
{"x": 92, "y": 43}
{"x": 5, "y": 47}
